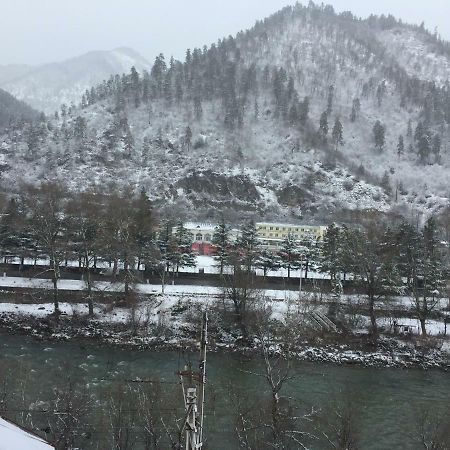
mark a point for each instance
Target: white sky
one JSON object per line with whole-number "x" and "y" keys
{"x": 39, "y": 31}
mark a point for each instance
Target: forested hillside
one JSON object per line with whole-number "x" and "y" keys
{"x": 307, "y": 113}
{"x": 13, "y": 110}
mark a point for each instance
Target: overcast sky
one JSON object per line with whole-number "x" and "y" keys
{"x": 39, "y": 31}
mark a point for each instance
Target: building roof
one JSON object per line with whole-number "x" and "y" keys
{"x": 201, "y": 226}
{"x": 14, "y": 437}
{"x": 293, "y": 225}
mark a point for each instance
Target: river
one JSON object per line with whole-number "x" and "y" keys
{"x": 387, "y": 400}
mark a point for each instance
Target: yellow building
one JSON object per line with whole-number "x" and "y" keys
{"x": 273, "y": 234}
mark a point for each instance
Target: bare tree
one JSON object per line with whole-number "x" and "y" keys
{"x": 83, "y": 211}
{"x": 372, "y": 261}
{"x": 433, "y": 430}
{"x": 44, "y": 206}
{"x": 241, "y": 293}
{"x": 278, "y": 423}
{"x": 338, "y": 425}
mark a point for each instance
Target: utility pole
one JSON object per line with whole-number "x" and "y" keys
{"x": 193, "y": 386}
{"x": 300, "y": 279}
{"x": 202, "y": 369}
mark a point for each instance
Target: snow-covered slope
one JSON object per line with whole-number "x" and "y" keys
{"x": 48, "y": 86}
{"x": 413, "y": 53}
{"x": 13, "y": 71}
{"x": 223, "y": 130}
{"x": 12, "y": 109}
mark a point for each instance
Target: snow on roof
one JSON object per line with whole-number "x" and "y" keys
{"x": 13, "y": 437}
{"x": 200, "y": 226}
{"x": 291, "y": 225}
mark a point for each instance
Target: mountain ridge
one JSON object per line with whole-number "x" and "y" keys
{"x": 47, "y": 86}
{"x": 241, "y": 125}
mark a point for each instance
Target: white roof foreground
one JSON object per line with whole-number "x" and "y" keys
{"x": 13, "y": 437}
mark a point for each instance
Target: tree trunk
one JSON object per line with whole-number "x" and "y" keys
{"x": 116, "y": 263}
{"x": 127, "y": 276}
{"x": 163, "y": 280}
{"x": 89, "y": 285}
{"x": 423, "y": 326}
{"x": 55, "y": 286}
{"x": 275, "y": 418}
{"x": 373, "y": 320}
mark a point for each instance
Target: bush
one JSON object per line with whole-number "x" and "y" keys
{"x": 200, "y": 143}
{"x": 348, "y": 185}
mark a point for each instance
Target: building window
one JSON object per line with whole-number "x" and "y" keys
{"x": 208, "y": 238}
{"x": 271, "y": 228}
{"x": 199, "y": 237}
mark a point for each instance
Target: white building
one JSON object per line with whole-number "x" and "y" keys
{"x": 203, "y": 232}
{"x": 272, "y": 235}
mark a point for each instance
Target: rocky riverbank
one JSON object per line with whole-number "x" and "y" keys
{"x": 326, "y": 348}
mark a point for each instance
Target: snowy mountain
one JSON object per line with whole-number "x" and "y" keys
{"x": 308, "y": 114}
{"x": 48, "y": 86}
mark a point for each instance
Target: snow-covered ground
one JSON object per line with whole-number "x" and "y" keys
{"x": 14, "y": 438}
{"x": 279, "y": 302}
{"x": 206, "y": 264}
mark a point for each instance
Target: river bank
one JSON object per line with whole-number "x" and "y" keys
{"x": 331, "y": 348}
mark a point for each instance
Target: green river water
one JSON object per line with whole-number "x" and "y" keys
{"x": 388, "y": 400}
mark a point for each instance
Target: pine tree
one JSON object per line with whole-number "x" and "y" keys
{"x": 419, "y": 132}
{"x": 128, "y": 141}
{"x": 424, "y": 147}
{"x": 222, "y": 243}
{"x": 303, "y": 111}
{"x": 437, "y": 142}
{"x": 331, "y": 259}
{"x": 381, "y": 91}
{"x": 323, "y": 125}
{"x": 386, "y": 183}
{"x": 338, "y": 133}
{"x": 409, "y": 129}
{"x": 80, "y": 128}
{"x": 290, "y": 254}
{"x": 267, "y": 261}
{"x": 181, "y": 248}
{"x": 188, "y": 137}
{"x": 158, "y": 73}
{"x": 379, "y": 135}
{"x": 330, "y": 100}
{"x": 426, "y": 281}
{"x": 249, "y": 244}
{"x": 256, "y": 109}
{"x": 198, "y": 110}
{"x": 145, "y": 152}
{"x": 293, "y": 116}
{"x": 400, "y": 146}
{"x": 356, "y": 108}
